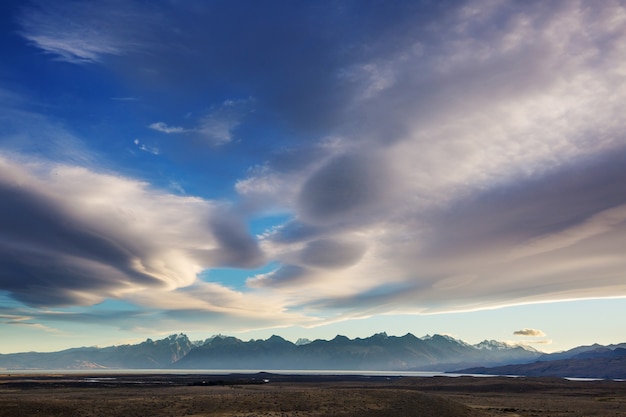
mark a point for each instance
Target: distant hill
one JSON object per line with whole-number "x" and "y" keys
{"x": 605, "y": 362}
{"x": 575, "y": 352}
{"x": 378, "y": 352}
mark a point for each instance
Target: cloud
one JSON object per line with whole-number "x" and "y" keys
{"x": 180, "y": 46}
{"x": 162, "y": 127}
{"x": 73, "y": 236}
{"x": 467, "y": 152}
{"x": 538, "y": 342}
{"x": 597, "y": 224}
{"x": 348, "y": 185}
{"x": 469, "y": 156}
{"x": 236, "y": 247}
{"x": 529, "y": 342}
{"x": 24, "y": 131}
{"x": 529, "y": 332}
{"x": 216, "y": 126}
{"x": 286, "y": 274}
{"x": 82, "y": 33}
{"x": 24, "y": 321}
{"x": 146, "y": 148}
{"x": 326, "y": 253}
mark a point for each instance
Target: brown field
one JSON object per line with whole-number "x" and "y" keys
{"x": 304, "y": 396}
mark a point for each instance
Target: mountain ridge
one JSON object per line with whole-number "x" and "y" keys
{"x": 377, "y": 352}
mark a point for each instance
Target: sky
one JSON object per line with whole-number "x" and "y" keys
{"x": 309, "y": 169}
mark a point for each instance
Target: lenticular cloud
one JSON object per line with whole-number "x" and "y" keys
{"x": 71, "y": 235}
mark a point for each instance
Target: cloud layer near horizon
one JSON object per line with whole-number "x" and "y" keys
{"x": 464, "y": 157}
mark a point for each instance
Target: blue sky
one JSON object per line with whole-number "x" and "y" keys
{"x": 310, "y": 169}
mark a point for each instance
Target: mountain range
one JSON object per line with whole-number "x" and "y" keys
{"x": 377, "y": 352}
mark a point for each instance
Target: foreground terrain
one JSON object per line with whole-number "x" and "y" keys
{"x": 271, "y": 395}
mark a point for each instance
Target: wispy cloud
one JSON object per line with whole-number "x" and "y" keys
{"x": 26, "y": 321}
{"x": 219, "y": 123}
{"x": 528, "y": 343}
{"x": 150, "y": 149}
{"x": 531, "y": 342}
{"x": 27, "y": 132}
{"x": 81, "y": 33}
{"x": 164, "y": 128}
{"x": 50, "y": 31}
{"x": 37, "y": 326}
{"x": 597, "y": 224}
{"x": 217, "y": 126}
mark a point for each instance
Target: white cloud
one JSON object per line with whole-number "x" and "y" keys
{"x": 78, "y": 223}
{"x": 529, "y": 332}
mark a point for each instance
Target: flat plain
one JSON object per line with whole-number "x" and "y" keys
{"x": 271, "y": 395}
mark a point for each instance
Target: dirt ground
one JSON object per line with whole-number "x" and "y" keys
{"x": 527, "y": 397}
{"x": 305, "y": 396}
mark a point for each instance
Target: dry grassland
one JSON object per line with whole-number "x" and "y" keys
{"x": 424, "y": 397}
